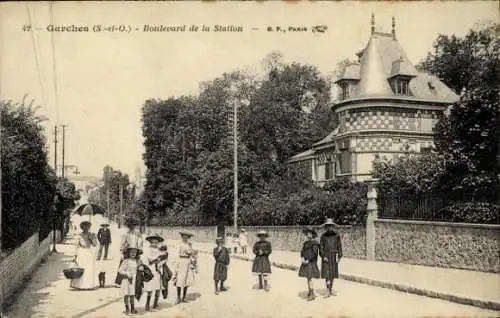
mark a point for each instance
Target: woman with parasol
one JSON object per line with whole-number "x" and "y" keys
{"x": 85, "y": 250}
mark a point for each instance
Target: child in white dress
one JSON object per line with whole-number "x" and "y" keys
{"x": 128, "y": 269}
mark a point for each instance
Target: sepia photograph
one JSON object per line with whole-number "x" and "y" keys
{"x": 250, "y": 159}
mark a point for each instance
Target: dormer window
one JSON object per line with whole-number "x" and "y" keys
{"x": 344, "y": 91}
{"x": 400, "y": 86}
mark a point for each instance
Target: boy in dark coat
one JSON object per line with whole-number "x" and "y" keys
{"x": 261, "y": 265}
{"x": 104, "y": 238}
{"x": 309, "y": 254}
{"x": 331, "y": 253}
{"x": 221, "y": 256}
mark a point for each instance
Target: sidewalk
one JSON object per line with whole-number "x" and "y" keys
{"x": 460, "y": 286}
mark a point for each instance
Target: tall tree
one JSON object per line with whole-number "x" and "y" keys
{"x": 469, "y": 136}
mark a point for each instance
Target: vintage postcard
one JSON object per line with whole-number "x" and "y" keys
{"x": 214, "y": 159}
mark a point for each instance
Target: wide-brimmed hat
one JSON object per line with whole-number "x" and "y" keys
{"x": 105, "y": 224}
{"x": 85, "y": 223}
{"x": 310, "y": 229}
{"x": 242, "y": 230}
{"x": 329, "y": 222}
{"x": 219, "y": 239}
{"x": 186, "y": 233}
{"x": 154, "y": 237}
{"x": 129, "y": 249}
{"x": 262, "y": 233}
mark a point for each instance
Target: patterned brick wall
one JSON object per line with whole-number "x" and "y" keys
{"x": 389, "y": 119}
{"x": 20, "y": 263}
{"x": 391, "y": 144}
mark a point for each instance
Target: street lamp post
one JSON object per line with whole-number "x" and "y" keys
{"x": 235, "y": 164}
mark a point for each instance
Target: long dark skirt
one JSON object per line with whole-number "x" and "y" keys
{"x": 309, "y": 270}
{"x": 220, "y": 271}
{"x": 261, "y": 265}
{"x": 329, "y": 270}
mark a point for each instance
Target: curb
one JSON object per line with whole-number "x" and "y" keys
{"x": 399, "y": 287}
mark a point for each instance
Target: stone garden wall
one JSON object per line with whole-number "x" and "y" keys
{"x": 453, "y": 245}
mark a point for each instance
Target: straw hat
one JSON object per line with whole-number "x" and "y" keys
{"x": 84, "y": 224}
{"x": 219, "y": 239}
{"x": 155, "y": 237}
{"x": 329, "y": 222}
{"x": 186, "y": 233}
{"x": 262, "y": 233}
{"x": 242, "y": 230}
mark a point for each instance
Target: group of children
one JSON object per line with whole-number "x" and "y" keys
{"x": 233, "y": 241}
{"x": 329, "y": 249}
{"x": 151, "y": 274}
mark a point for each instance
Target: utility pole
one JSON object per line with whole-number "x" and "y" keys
{"x": 54, "y": 250}
{"x": 121, "y": 204}
{"x": 61, "y": 216}
{"x": 107, "y": 198}
{"x": 235, "y": 165}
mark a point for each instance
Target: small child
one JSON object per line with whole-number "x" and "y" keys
{"x": 309, "y": 255}
{"x": 128, "y": 269}
{"x": 261, "y": 265}
{"x": 236, "y": 242}
{"x": 221, "y": 256}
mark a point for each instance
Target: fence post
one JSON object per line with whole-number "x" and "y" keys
{"x": 372, "y": 215}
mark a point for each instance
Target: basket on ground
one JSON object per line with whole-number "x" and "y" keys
{"x": 73, "y": 273}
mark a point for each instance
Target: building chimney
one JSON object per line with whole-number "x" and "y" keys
{"x": 393, "y": 28}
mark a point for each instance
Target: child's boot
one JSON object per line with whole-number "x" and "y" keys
{"x": 157, "y": 297}
{"x": 260, "y": 282}
{"x": 132, "y": 307}
{"x": 222, "y": 288}
{"x": 148, "y": 300}
{"x": 266, "y": 285}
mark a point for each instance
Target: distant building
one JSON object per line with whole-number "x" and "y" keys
{"x": 386, "y": 107}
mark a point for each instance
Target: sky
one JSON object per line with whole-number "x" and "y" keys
{"x": 103, "y": 78}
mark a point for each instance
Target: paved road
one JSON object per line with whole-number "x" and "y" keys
{"x": 47, "y": 295}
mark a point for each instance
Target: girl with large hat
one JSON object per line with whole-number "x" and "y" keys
{"x": 261, "y": 265}
{"x": 128, "y": 278}
{"x": 155, "y": 259}
{"x": 184, "y": 272}
{"x": 331, "y": 252}
{"x": 85, "y": 257}
{"x": 309, "y": 254}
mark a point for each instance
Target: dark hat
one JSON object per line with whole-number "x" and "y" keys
{"x": 186, "y": 233}
{"x": 105, "y": 224}
{"x": 155, "y": 237}
{"x": 329, "y": 222}
{"x": 85, "y": 223}
{"x": 310, "y": 229}
{"x": 262, "y": 233}
{"x": 129, "y": 249}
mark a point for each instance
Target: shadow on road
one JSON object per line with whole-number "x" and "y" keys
{"x": 192, "y": 296}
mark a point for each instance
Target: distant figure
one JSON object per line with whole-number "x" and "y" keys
{"x": 309, "y": 255}
{"x": 261, "y": 265}
{"x": 236, "y": 242}
{"x": 85, "y": 248}
{"x": 104, "y": 237}
{"x": 229, "y": 241}
{"x": 331, "y": 253}
{"x": 243, "y": 241}
{"x": 221, "y": 256}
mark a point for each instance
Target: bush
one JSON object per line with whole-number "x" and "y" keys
{"x": 473, "y": 212}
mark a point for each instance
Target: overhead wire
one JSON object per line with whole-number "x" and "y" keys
{"x": 37, "y": 59}
{"x": 54, "y": 63}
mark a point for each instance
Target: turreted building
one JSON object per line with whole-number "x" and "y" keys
{"x": 385, "y": 107}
